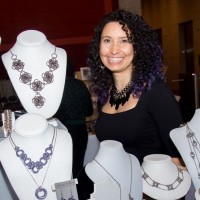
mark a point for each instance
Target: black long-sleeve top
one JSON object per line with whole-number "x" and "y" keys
{"x": 76, "y": 103}
{"x": 144, "y": 129}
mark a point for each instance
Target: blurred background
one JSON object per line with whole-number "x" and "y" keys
{"x": 69, "y": 24}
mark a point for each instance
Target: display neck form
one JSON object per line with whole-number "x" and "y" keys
{"x": 37, "y": 71}
{"x": 162, "y": 179}
{"x": 37, "y": 38}
{"x": 109, "y": 162}
{"x": 187, "y": 140}
{"x": 30, "y": 125}
{"x": 38, "y": 150}
{"x": 115, "y": 150}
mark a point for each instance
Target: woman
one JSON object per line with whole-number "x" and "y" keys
{"x": 136, "y": 107}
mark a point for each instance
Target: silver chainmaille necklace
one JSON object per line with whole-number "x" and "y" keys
{"x": 166, "y": 187}
{"x": 194, "y": 148}
{"x": 130, "y": 197}
{"x": 40, "y": 192}
{"x": 34, "y": 166}
{"x": 36, "y": 85}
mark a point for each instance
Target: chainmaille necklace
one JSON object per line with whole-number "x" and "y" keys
{"x": 166, "y": 187}
{"x": 36, "y": 85}
{"x": 130, "y": 197}
{"x": 194, "y": 148}
{"x": 34, "y": 166}
{"x": 120, "y": 97}
{"x": 40, "y": 192}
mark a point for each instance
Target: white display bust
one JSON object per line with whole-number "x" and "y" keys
{"x": 161, "y": 169}
{"x": 34, "y": 50}
{"x": 32, "y": 56}
{"x": 33, "y": 134}
{"x": 178, "y": 136}
{"x": 116, "y": 161}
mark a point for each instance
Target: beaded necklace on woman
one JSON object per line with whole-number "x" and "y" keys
{"x": 117, "y": 97}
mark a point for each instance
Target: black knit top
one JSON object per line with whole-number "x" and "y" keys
{"x": 76, "y": 103}
{"x": 144, "y": 129}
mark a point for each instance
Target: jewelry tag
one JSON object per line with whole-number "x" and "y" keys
{"x": 66, "y": 190}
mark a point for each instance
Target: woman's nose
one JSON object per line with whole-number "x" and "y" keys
{"x": 115, "y": 48}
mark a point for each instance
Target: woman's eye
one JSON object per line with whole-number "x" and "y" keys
{"x": 106, "y": 40}
{"x": 124, "y": 41}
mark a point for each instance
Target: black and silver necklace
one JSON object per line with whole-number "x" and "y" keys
{"x": 161, "y": 186}
{"x": 40, "y": 192}
{"x": 36, "y": 85}
{"x": 117, "y": 97}
{"x": 194, "y": 146}
{"x": 130, "y": 197}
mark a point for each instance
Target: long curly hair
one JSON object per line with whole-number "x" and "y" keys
{"x": 147, "y": 63}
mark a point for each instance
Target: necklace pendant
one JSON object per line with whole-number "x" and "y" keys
{"x": 41, "y": 193}
{"x": 38, "y": 100}
{"x": 130, "y": 197}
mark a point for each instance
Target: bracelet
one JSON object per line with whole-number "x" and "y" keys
{"x": 7, "y": 122}
{"x": 182, "y": 168}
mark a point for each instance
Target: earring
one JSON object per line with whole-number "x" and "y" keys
{"x": 102, "y": 67}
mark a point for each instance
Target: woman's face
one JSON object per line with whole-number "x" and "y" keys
{"x": 116, "y": 52}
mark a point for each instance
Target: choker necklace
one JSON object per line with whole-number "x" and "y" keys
{"x": 194, "y": 148}
{"x": 36, "y": 85}
{"x": 120, "y": 97}
{"x": 40, "y": 192}
{"x": 166, "y": 187}
{"x": 34, "y": 166}
{"x": 130, "y": 197}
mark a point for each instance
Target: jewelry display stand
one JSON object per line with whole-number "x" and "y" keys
{"x": 33, "y": 138}
{"x": 37, "y": 70}
{"x": 41, "y": 152}
{"x": 123, "y": 169}
{"x": 162, "y": 179}
{"x": 186, "y": 139}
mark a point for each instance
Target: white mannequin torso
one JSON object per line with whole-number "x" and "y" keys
{"x": 34, "y": 137}
{"x": 180, "y": 140}
{"x": 32, "y": 133}
{"x": 116, "y": 161}
{"x": 162, "y": 170}
{"x": 34, "y": 50}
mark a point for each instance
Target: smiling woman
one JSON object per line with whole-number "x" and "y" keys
{"x": 136, "y": 106}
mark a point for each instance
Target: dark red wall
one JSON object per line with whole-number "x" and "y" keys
{"x": 66, "y": 23}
